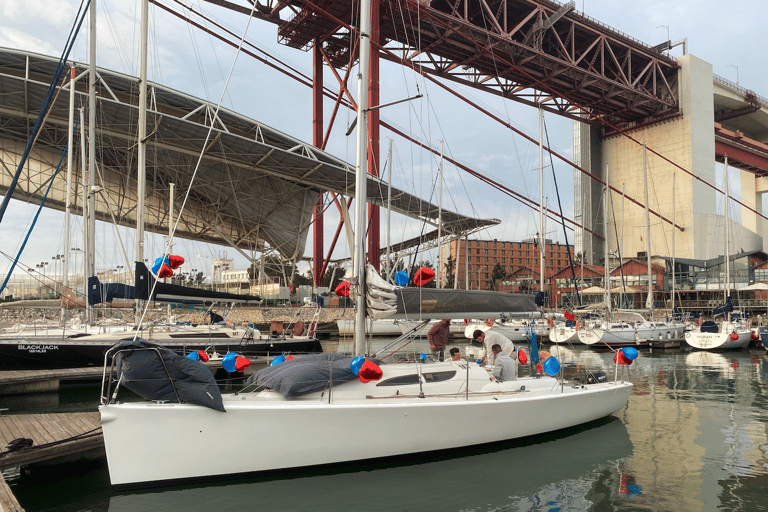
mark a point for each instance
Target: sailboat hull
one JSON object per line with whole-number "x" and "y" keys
{"x": 153, "y": 442}
{"x": 88, "y": 350}
{"x": 624, "y": 337}
{"x": 562, "y": 334}
{"x": 719, "y": 340}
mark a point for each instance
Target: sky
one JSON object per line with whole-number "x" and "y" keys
{"x": 732, "y": 39}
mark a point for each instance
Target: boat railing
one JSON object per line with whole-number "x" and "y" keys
{"x": 400, "y": 342}
{"x": 109, "y": 374}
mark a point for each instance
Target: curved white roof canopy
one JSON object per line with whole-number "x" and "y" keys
{"x": 254, "y": 184}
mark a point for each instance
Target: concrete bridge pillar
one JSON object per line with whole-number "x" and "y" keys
{"x": 752, "y": 189}
{"x": 687, "y": 140}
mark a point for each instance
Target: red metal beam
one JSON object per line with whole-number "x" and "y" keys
{"x": 741, "y": 157}
{"x": 374, "y": 222}
{"x": 317, "y": 140}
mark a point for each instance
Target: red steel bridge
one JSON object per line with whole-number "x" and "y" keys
{"x": 537, "y": 52}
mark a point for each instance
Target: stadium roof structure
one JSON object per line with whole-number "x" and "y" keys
{"x": 253, "y": 186}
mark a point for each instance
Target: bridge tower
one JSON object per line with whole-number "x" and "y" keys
{"x": 688, "y": 140}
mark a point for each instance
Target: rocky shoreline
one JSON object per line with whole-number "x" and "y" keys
{"x": 240, "y": 315}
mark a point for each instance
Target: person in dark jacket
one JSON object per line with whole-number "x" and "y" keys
{"x": 438, "y": 338}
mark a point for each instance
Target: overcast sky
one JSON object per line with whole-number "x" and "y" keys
{"x": 192, "y": 62}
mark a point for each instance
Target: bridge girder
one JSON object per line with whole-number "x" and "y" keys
{"x": 530, "y": 51}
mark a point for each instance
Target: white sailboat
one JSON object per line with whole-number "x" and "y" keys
{"x": 516, "y": 329}
{"x": 400, "y": 405}
{"x": 729, "y": 333}
{"x": 621, "y": 328}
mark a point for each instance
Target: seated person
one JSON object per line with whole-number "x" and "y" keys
{"x": 455, "y": 354}
{"x": 505, "y": 367}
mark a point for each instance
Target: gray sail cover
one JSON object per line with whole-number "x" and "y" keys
{"x": 441, "y": 303}
{"x": 142, "y": 365}
{"x": 306, "y": 374}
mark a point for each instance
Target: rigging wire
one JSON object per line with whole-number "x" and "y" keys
{"x": 50, "y": 96}
{"x": 205, "y": 145}
{"x": 560, "y": 206}
{"x": 37, "y": 214}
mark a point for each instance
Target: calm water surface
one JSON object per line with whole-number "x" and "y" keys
{"x": 693, "y": 437}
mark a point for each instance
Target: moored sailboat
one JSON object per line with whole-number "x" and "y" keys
{"x": 154, "y": 441}
{"x": 730, "y": 332}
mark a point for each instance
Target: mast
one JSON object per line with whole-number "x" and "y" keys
{"x": 361, "y": 178}
{"x": 727, "y": 236}
{"x": 67, "y": 207}
{"x": 390, "y": 266}
{"x": 605, "y": 233}
{"x": 170, "y": 228}
{"x": 673, "y": 242}
{"x": 541, "y": 199}
{"x": 141, "y": 174}
{"x": 440, "y": 223}
{"x": 90, "y": 203}
{"x": 649, "y": 298}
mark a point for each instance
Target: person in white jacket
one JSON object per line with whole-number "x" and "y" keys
{"x": 491, "y": 338}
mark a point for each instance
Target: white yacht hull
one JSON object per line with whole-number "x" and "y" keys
{"x": 152, "y": 442}
{"x": 622, "y": 337}
{"x": 562, "y": 334}
{"x": 455, "y": 329}
{"x": 719, "y": 340}
{"x": 373, "y": 328}
{"x": 516, "y": 331}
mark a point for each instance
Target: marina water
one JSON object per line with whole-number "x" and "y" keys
{"x": 693, "y": 437}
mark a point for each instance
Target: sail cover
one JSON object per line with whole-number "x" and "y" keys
{"x": 306, "y": 374}
{"x": 149, "y": 288}
{"x": 157, "y": 373}
{"x": 440, "y": 303}
{"x": 99, "y": 293}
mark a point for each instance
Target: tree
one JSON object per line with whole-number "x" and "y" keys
{"x": 497, "y": 274}
{"x": 338, "y": 276}
{"x": 302, "y": 280}
{"x": 396, "y": 262}
{"x": 527, "y": 286}
{"x": 449, "y": 268}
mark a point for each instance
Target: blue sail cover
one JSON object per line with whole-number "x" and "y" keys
{"x": 725, "y": 308}
{"x": 99, "y": 293}
{"x": 149, "y": 288}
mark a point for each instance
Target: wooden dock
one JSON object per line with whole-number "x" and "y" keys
{"x": 14, "y": 382}
{"x": 8, "y": 502}
{"x": 55, "y": 437}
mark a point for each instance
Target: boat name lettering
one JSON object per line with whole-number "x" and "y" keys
{"x": 36, "y": 348}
